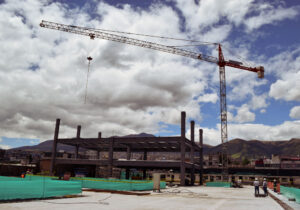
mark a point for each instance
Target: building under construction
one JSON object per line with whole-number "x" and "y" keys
{"x": 186, "y": 147}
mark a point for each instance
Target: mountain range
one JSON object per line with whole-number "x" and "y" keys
{"x": 237, "y": 148}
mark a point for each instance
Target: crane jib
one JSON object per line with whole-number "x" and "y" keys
{"x": 221, "y": 62}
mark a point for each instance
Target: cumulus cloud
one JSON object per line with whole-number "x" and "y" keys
{"x": 243, "y": 115}
{"x": 211, "y": 97}
{"x": 130, "y": 89}
{"x": 269, "y": 14}
{"x": 252, "y": 14}
{"x": 258, "y": 101}
{"x": 3, "y": 146}
{"x": 287, "y": 88}
{"x": 295, "y": 112}
{"x": 286, "y": 67}
{"x": 247, "y": 131}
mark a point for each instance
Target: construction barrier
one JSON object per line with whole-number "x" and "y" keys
{"x": 10, "y": 178}
{"x": 12, "y": 188}
{"x": 107, "y": 184}
{"x": 271, "y": 186}
{"x": 218, "y": 184}
{"x": 117, "y": 184}
{"x": 291, "y": 192}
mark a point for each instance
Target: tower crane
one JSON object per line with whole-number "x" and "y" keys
{"x": 220, "y": 61}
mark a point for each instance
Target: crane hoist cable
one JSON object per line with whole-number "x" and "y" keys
{"x": 87, "y": 77}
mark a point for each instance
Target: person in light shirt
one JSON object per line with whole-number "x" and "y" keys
{"x": 265, "y": 185}
{"x": 256, "y": 186}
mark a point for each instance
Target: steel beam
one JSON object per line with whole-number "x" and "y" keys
{"x": 54, "y": 147}
{"x": 182, "y": 150}
{"x": 192, "y": 152}
{"x": 201, "y": 156}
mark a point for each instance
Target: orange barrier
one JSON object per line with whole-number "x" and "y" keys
{"x": 271, "y": 186}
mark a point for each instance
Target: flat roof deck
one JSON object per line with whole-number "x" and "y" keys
{"x": 199, "y": 197}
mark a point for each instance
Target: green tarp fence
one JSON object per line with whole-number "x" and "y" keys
{"x": 12, "y": 188}
{"x": 290, "y": 192}
{"x": 107, "y": 184}
{"x": 117, "y": 184}
{"x": 218, "y": 184}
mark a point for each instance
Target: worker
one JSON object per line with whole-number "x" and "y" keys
{"x": 274, "y": 185}
{"x": 256, "y": 187}
{"x": 265, "y": 187}
{"x": 239, "y": 184}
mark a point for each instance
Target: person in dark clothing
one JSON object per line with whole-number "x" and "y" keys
{"x": 275, "y": 185}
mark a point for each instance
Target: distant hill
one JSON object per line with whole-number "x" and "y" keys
{"x": 237, "y": 148}
{"x": 46, "y": 146}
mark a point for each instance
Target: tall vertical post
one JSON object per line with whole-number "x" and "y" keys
{"x": 77, "y": 138}
{"x": 110, "y": 157}
{"x": 182, "y": 150}
{"x": 128, "y": 155}
{"x": 98, "y": 151}
{"x": 223, "y": 111}
{"x": 145, "y": 158}
{"x": 201, "y": 156}
{"x": 54, "y": 147}
{"x": 192, "y": 152}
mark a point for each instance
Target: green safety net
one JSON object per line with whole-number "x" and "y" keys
{"x": 218, "y": 184}
{"x": 290, "y": 192}
{"x": 117, "y": 184}
{"x": 10, "y": 178}
{"x": 106, "y": 184}
{"x": 12, "y": 188}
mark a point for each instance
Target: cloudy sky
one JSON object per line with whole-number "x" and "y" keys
{"x": 132, "y": 90}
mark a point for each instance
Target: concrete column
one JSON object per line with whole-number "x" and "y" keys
{"x": 201, "y": 156}
{"x": 78, "y": 137}
{"x": 98, "y": 152}
{"x": 78, "y": 131}
{"x": 76, "y": 151}
{"x": 144, "y": 170}
{"x": 127, "y": 173}
{"x": 192, "y": 152}
{"x": 110, "y": 157}
{"x": 182, "y": 150}
{"x": 54, "y": 147}
{"x": 128, "y": 153}
{"x": 145, "y": 155}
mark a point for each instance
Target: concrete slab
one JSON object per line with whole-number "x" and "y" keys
{"x": 292, "y": 204}
{"x": 168, "y": 199}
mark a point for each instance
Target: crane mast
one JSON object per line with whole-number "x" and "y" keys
{"x": 220, "y": 61}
